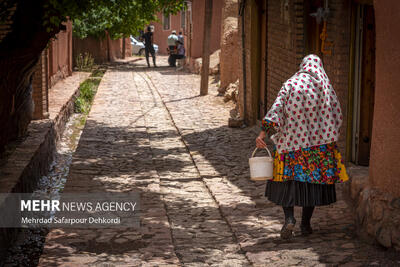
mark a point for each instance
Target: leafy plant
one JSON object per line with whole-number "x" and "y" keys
{"x": 21, "y": 46}
{"x": 121, "y": 18}
{"x": 98, "y": 73}
{"x": 84, "y": 62}
{"x": 87, "y": 92}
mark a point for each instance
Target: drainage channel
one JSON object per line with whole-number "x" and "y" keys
{"x": 29, "y": 244}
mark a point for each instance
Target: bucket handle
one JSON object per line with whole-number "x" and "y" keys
{"x": 254, "y": 152}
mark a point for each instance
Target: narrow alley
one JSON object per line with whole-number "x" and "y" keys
{"x": 149, "y": 131}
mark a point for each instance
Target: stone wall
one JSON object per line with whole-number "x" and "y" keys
{"x": 230, "y": 46}
{"x": 377, "y": 212}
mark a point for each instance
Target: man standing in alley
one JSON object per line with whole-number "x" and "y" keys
{"x": 149, "y": 47}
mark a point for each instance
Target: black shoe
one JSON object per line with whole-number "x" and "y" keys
{"x": 287, "y": 229}
{"x": 306, "y": 229}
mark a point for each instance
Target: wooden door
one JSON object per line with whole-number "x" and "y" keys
{"x": 363, "y": 86}
{"x": 263, "y": 71}
{"x": 312, "y": 29}
{"x": 367, "y": 84}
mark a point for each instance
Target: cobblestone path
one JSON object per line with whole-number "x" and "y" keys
{"x": 149, "y": 131}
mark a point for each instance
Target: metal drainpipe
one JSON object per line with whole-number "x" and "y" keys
{"x": 241, "y": 13}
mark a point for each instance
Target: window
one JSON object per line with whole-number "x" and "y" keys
{"x": 165, "y": 21}
{"x": 183, "y": 19}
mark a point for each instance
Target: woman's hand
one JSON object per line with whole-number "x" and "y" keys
{"x": 260, "y": 140}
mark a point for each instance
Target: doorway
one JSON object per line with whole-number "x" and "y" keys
{"x": 312, "y": 29}
{"x": 363, "y": 83}
{"x": 262, "y": 98}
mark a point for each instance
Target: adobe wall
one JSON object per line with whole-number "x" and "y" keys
{"x": 98, "y": 48}
{"x": 198, "y": 7}
{"x": 230, "y": 45}
{"x": 55, "y": 64}
{"x": 60, "y": 56}
{"x": 40, "y": 87}
{"x": 385, "y": 147}
{"x": 376, "y": 194}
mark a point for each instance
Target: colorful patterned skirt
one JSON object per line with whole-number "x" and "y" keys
{"x": 306, "y": 177}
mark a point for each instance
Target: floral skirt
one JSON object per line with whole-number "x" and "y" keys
{"x": 321, "y": 164}
{"x": 306, "y": 177}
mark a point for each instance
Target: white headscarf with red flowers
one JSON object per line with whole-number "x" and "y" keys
{"x": 307, "y": 110}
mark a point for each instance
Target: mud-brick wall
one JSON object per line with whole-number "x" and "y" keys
{"x": 337, "y": 65}
{"x": 101, "y": 49}
{"x": 285, "y": 43}
{"x": 198, "y": 7}
{"x": 286, "y": 48}
{"x": 385, "y": 147}
{"x": 40, "y": 88}
{"x": 60, "y": 55}
{"x": 230, "y": 47}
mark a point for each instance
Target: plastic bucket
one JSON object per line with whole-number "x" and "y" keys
{"x": 261, "y": 168}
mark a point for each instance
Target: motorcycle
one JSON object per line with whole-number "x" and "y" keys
{"x": 171, "y": 58}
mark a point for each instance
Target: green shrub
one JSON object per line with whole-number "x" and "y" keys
{"x": 84, "y": 62}
{"x": 87, "y": 92}
{"x": 98, "y": 73}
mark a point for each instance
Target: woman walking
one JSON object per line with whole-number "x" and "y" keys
{"x": 305, "y": 120}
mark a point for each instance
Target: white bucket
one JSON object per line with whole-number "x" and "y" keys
{"x": 261, "y": 168}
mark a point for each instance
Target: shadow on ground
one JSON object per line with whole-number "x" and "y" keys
{"x": 120, "y": 158}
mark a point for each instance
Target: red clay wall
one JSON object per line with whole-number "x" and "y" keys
{"x": 198, "y": 26}
{"x": 40, "y": 88}
{"x": 60, "y": 56}
{"x": 98, "y": 48}
{"x": 230, "y": 45}
{"x": 385, "y": 147}
{"x": 55, "y": 64}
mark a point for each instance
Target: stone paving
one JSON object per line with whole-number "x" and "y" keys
{"x": 150, "y": 131}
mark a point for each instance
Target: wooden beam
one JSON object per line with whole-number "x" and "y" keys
{"x": 365, "y": 2}
{"x": 206, "y": 47}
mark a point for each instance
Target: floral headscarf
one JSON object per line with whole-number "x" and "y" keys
{"x": 307, "y": 111}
